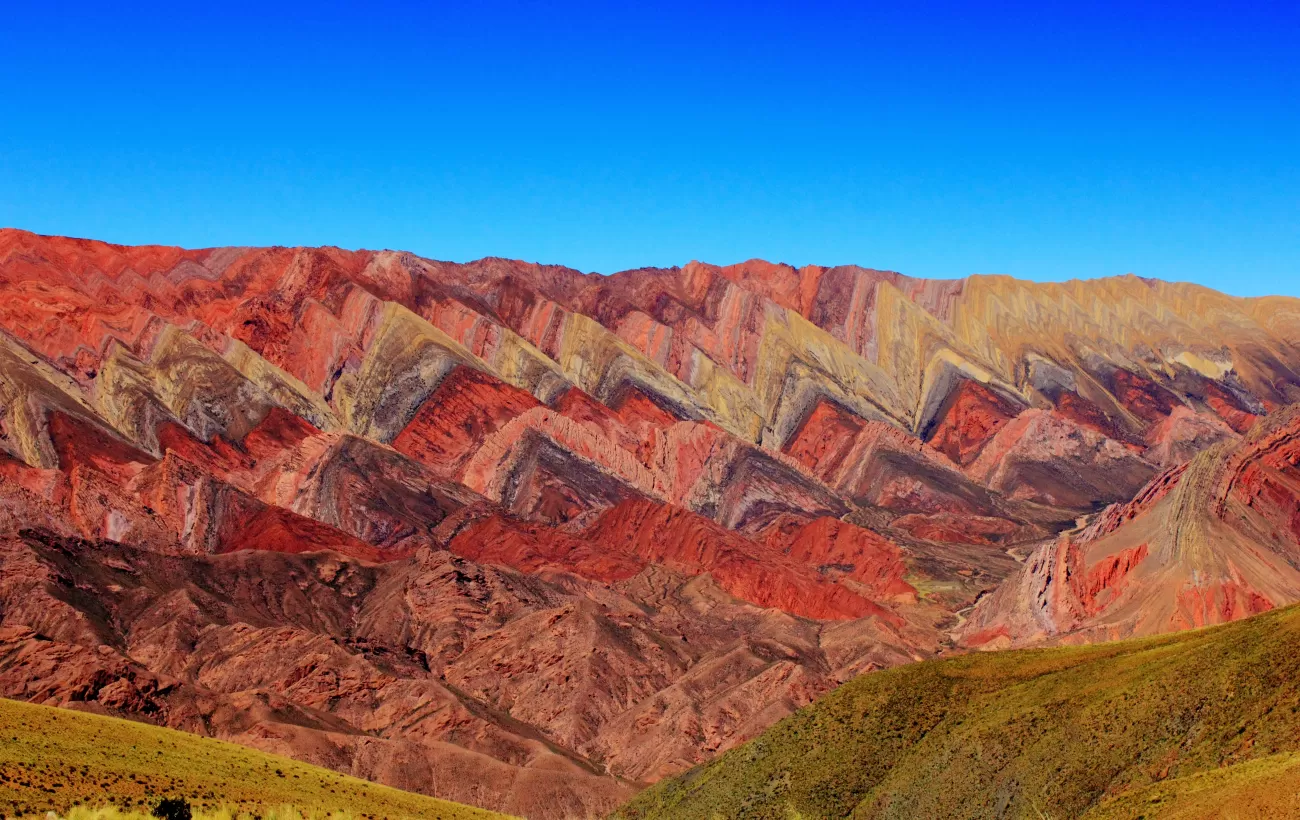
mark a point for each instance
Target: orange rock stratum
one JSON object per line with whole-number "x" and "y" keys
{"x": 527, "y": 538}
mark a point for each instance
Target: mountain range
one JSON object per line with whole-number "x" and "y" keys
{"x": 532, "y": 539}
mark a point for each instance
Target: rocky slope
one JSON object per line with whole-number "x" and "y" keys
{"x": 528, "y": 538}
{"x": 1209, "y": 541}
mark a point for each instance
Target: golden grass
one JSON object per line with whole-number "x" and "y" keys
{"x": 59, "y": 760}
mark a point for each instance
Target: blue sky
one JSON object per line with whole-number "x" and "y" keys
{"x": 1040, "y": 140}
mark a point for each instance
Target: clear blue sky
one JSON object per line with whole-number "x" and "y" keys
{"x": 1040, "y": 139}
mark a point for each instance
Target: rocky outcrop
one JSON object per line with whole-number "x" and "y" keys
{"x": 972, "y": 414}
{"x": 1206, "y": 542}
{"x": 1045, "y": 458}
{"x": 1182, "y": 434}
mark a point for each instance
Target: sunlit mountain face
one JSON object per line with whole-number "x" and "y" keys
{"x": 531, "y": 539}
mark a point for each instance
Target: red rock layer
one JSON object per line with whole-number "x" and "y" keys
{"x": 972, "y": 415}
{"x": 1209, "y": 604}
{"x": 1264, "y": 473}
{"x": 691, "y": 544}
{"x": 1085, "y": 413}
{"x": 825, "y": 438}
{"x": 1205, "y": 542}
{"x": 1104, "y": 580}
{"x": 1142, "y": 396}
{"x": 451, "y": 425}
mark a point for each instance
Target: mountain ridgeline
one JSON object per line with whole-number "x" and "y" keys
{"x": 532, "y": 540}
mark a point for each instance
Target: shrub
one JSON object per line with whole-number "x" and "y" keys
{"x": 173, "y": 808}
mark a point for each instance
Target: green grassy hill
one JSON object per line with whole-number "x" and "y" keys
{"x": 1199, "y": 724}
{"x": 55, "y": 759}
{"x": 1265, "y": 788}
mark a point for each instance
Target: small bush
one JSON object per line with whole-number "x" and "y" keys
{"x": 173, "y": 808}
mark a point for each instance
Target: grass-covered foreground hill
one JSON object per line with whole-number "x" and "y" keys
{"x": 1199, "y": 724}
{"x": 56, "y": 759}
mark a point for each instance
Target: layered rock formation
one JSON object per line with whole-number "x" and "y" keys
{"x": 1209, "y": 541}
{"x": 526, "y": 538}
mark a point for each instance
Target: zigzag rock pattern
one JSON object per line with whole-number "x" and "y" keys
{"x": 528, "y": 538}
